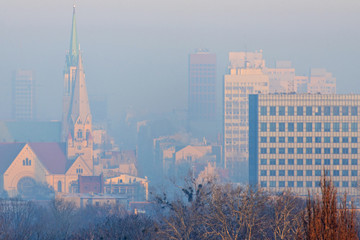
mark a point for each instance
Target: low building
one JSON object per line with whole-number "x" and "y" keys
{"x": 131, "y": 187}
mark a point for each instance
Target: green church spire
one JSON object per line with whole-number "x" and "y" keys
{"x": 74, "y": 46}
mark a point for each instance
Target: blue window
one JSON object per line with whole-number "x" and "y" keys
{"x": 281, "y": 127}
{"x": 354, "y": 111}
{"x": 354, "y": 151}
{"x": 281, "y": 173}
{"x": 317, "y": 150}
{"x": 308, "y": 111}
{"x": 263, "y": 183}
{"x": 336, "y": 139}
{"x": 308, "y": 139}
{"x": 317, "y": 161}
{"x": 327, "y": 127}
{"x": 281, "y": 161}
{"x": 354, "y": 139}
{"x": 263, "y": 127}
{"x": 263, "y": 139}
{"x": 327, "y": 172}
{"x": 291, "y": 127}
{"x": 300, "y": 111}
{"x": 281, "y": 150}
{"x": 345, "y": 150}
{"x": 300, "y": 173}
{"x": 272, "y": 150}
{"x": 309, "y": 184}
{"x": 308, "y": 150}
{"x": 317, "y": 184}
{"x": 317, "y": 173}
{"x": 272, "y": 127}
{"x": 263, "y": 111}
{"x": 272, "y": 111}
{"x": 345, "y": 173}
{"x": 345, "y": 162}
{"x": 327, "y": 150}
{"x": 300, "y": 139}
{"x": 263, "y": 150}
{"x": 308, "y": 161}
{"x": 290, "y": 150}
{"x": 354, "y": 184}
{"x": 336, "y": 127}
{"x": 326, "y": 161}
{"x": 291, "y": 111}
{"x": 281, "y": 111}
{"x": 345, "y": 127}
{"x": 273, "y": 139}
{"x": 336, "y": 161}
{"x": 263, "y": 173}
{"x": 300, "y": 184}
{"x": 272, "y": 173}
{"x": 272, "y": 161}
{"x": 300, "y": 127}
{"x": 281, "y": 139}
{"x": 326, "y": 111}
{"x": 272, "y": 184}
{"x": 291, "y": 161}
{"x": 345, "y": 111}
{"x": 309, "y": 173}
{"x": 318, "y": 111}
{"x": 291, "y": 173}
{"x": 300, "y": 150}
{"x": 336, "y": 150}
{"x": 354, "y": 173}
{"x": 281, "y": 183}
{"x": 318, "y": 127}
{"x": 354, "y": 162}
{"x": 326, "y": 139}
{"x": 336, "y": 111}
{"x": 299, "y": 162}
{"x": 345, "y": 139}
{"x": 336, "y": 173}
{"x": 318, "y": 139}
{"x": 263, "y": 161}
{"x": 345, "y": 184}
{"x": 336, "y": 184}
{"x": 290, "y": 183}
{"x": 309, "y": 127}
{"x": 291, "y": 140}
{"x": 354, "y": 127}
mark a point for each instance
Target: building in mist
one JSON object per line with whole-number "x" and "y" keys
{"x": 23, "y": 95}
{"x": 293, "y": 138}
{"x": 281, "y": 78}
{"x": 321, "y": 81}
{"x": 245, "y": 77}
{"x": 202, "y": 94}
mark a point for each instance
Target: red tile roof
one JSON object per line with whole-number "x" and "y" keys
{"x": 52, "y": 156}
{"x": 8, "y": 152}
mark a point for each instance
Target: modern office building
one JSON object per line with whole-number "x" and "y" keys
{"x": 23, "y": 95}
{"x": 321, "y": 81}
{"x": 281, "y": 78}
{"x": 295, "y": 138}
{"x": 202, "y": 86}
{"x": 245, "y": 77}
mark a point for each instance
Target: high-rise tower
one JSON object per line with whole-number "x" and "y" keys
{"x": 23, "y": 95}
{"x": 77, "y": 119}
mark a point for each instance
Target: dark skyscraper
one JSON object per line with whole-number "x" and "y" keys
{"x": 23, "y": 95}
{"x": 202, "y": 86}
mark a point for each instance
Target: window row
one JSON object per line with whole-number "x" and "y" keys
{"x": 308, "y": 139}
{"x": 308, "y": 173}
{"x": 27, "y": 162}
{"x": 309, "y": 111}
{"x": 308, "y": 184}
{"x": 307, "y": 162}
{"x": 308, "y": 150}
{"x": 309, "y": 127}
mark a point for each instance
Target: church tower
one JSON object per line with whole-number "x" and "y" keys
{"x": 77, "y": 119}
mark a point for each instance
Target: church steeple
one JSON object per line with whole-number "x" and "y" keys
{"x": 74, "y": 45}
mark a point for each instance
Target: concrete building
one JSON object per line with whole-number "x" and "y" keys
{"x": 293, "y": 138}
{"x": 23, "y": 95}
{"x": 321, "y": 81}
{"x": 281, "y": 78}
{"x": 245, "y": 77}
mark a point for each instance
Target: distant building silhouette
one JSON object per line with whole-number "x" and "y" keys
{"x": 23, "y": 96}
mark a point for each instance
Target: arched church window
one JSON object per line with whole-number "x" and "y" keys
{"x": 87, "y": 134}
{"x": 79, "y": 134}
{"x": 59, "y": 186}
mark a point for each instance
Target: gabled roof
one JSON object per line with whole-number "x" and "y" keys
{"x": 76, "y": 160}
{"x": 51, "y": 155}
{"x": 8, "y": 152}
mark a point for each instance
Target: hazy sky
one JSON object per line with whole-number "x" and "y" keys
{"x": 136, "y": 51}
